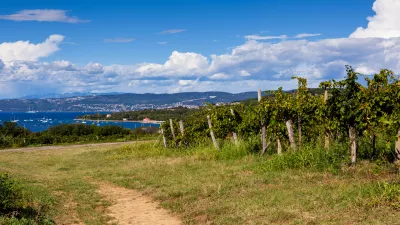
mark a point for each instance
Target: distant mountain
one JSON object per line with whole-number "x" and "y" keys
{"x": 114, "y": 102}
{"x": 67, "y": 95}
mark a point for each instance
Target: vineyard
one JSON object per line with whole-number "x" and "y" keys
{"x": 365, "y": 119}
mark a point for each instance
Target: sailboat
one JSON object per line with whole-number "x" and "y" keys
{"x": 15, "y": 120}
{"x": 31, "y": 111}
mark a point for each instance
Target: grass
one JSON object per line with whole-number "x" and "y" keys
{"x": 204, "y": 186}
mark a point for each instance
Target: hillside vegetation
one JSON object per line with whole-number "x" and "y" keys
{"x": 13, "y": 136}
{"x": 158, "y": 115}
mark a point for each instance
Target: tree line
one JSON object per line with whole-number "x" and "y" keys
{"x": 12, "y": 135}
{"x": 158, "y": 114}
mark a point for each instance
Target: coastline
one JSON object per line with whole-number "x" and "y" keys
{"x": 124, "y": 121}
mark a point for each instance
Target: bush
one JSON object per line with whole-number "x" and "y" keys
{"x": 11, "y": 198}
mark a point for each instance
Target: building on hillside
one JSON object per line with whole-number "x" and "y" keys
{"x": 146, "y": 120}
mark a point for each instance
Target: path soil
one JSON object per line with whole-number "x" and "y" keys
{"x": 131, "y": 207}
{"x": 66, "y": 147}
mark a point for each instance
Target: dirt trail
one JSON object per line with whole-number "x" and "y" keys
{"x": 131, "y": 207}
{"x": 67, "y": 147}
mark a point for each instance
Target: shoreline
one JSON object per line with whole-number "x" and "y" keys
{"x": 123, "y": 121}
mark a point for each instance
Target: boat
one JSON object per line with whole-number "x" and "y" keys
{"x": 15, "y": 120}
{"x": 31, "y": 111}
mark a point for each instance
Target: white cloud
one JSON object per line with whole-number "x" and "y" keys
{"x": 384, "y": 24}
{"x": 305, "y": 35}
{"x": 219, "y": 76}
{"x": 254, "y": 64}
{"x": 244, "y": 73}
{"x": 259, "y": 37}
{"x": 178, "y": 64}
{"x": 119, "y": 40}
{"x": 2, "y": 65}
{"x": 172, "y": 31}
{"x": 162, "y": 43}
{"x": 48, "y": 15}
{"x": 24, "y": 50}
{"x": 93, "y": 68}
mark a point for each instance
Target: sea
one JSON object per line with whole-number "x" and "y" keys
{"x": 41, "y": 121}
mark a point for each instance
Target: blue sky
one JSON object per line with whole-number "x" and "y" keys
{"x": 189, "y": 45}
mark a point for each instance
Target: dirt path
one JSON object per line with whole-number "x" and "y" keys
{"x": 66, "y": 147}
{"x": 131, "y": 207}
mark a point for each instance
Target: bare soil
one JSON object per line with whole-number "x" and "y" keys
{"x": 131, "y": 207}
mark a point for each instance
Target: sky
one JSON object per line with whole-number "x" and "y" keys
{"x": 169, "y": 46}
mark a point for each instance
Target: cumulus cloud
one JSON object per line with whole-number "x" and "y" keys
{"x": 251, "y": 65}
{"x": 93, "y": 68}
{"x": 178, "y": 64}
{"x": 384, "y": 24}
{"x": 172, "y": 31}
{"x": 2, "y": 65}
{"x": 24, "y": 50}
{"x": 219, "y": 76}
{"x": 48, "y": 15}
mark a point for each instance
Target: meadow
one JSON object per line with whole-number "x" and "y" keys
{"x": 204, "y": 186}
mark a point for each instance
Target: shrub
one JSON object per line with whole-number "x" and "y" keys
{"x": 11, "y": 198}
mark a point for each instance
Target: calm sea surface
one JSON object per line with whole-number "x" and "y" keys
{"x": 43, "y": 120}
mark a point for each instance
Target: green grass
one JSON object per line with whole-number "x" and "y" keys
{"x": 202, "y": 185}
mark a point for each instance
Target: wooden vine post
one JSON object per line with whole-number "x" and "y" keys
{"x": 289, "y": 126}
{"x": 327, "y": 141}
{"x": 279, "y": 146}
{"x": 353, "y": 144}
{"x": 164, "y": 139}
{"x": 263, "y": 128}
{"x": 235, "y": 138}
{"x": 182, "y": 128}
{"x": 397, "y": 151}
{"x": 212, "y": 133}
{"x": 171, "y": 123}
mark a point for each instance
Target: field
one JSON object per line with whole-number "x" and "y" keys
{"x": 202, "y": 186}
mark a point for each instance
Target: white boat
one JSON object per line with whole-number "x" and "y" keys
{"x": 31, "y": 111}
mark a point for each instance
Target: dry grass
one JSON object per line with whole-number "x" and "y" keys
{"x": 205, "y": 190}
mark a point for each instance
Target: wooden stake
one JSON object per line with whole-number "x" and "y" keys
{"x": 182, "y": 128}
{"x": 164, "y": 139}
{"x": 212, "y": 133}
{"x": 325, "y": 96}
{"x": 279, "y": 146}
{"x": 353, "y": 144}
{"x": 235, "y": 138}
{"x": 268, "y": 144}
{"x": 289, "y": 126}
{"x": 263, "y": 128}
{"x": 299, "y": 128}
{"x": 397, "y": 149}
{"x": 259, "y": 95}
{"x": 327, "y": 136}
{"x": 264, "y": 139}
{"x": 171, "y": 123}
